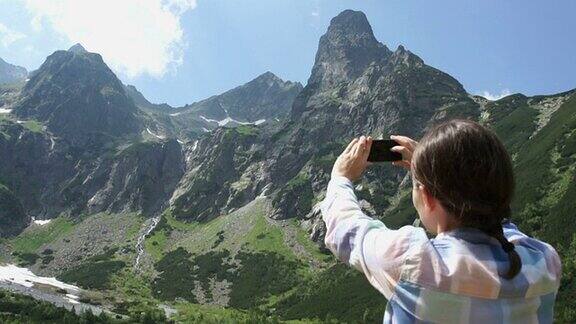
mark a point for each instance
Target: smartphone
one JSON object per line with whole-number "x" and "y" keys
{"x": 380, "y": 151}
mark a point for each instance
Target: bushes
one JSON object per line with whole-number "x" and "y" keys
{"x": 566, "y": 300}
{"x": 96, "y": 273}
{"x": 339, "y": 292}
{"x": 16, "y": 308}
{"x": 259, "y": 276}
{"x": 27, "y": 259}
{"x": 176, "y": 279}
{"x": 93, "y": 275}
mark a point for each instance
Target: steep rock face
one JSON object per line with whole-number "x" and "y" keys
{"x": 51, "y": 177}
{"x": 345, "y": 51}
{"x": 140, "y": 177}
{"x": 76, "y": 95}
{"x": 11, "y": 73}
{"x": 33, "y": 165}
{"x": 13, "y": 219}
{"x": 223, "y": 172}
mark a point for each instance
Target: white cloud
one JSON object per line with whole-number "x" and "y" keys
{"x": 495, "y": 96}
{"x": 9, "y": 36}
{"x": 135, "y": 37}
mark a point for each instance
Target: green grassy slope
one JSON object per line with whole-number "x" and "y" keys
{"x": 545, "y": 196}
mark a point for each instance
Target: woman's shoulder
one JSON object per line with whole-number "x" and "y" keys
{"x": 516, "y": 236}
{"x": 532, "y": 249}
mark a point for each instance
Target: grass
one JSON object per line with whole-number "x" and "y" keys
{"x": 195, "y": 313}
{"x": 304, "y": 239}
{"x": 156, "y": 244}
{"x": 267, "y": 237}
{"x": 535, "y": 172}
{"x": 131, "y": 294}
{"x": 33, "y": 126}
{"x": 264, "y": 266}
{"x": 259, "y": 276}
{"x": 36, "y": 236}
{"x": 515, "y": 129}
{"x": 245, "y": 228}
{"x": 247, "y": 130}
{"x": 17, "y": 308}
{"x": 403, "y": 213}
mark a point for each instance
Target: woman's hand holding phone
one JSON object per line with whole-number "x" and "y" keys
{"x": 406, "y": 148}
{"x": 354, "y": 160}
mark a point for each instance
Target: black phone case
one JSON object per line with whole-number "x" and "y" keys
{"x": 380, "y": 151}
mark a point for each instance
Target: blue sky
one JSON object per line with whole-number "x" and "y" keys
{"x": 180, "y": 51}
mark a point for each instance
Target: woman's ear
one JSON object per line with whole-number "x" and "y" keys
{"x": 429, "y": 200}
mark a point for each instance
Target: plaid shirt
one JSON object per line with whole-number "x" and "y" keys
{"x": 453, "y": 278}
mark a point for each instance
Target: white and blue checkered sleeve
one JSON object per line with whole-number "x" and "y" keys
{"x": 363, "y": 242}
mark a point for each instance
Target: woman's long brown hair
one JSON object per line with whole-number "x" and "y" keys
{"x": 467, "y": 168}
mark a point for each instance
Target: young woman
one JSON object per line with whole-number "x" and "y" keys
{"x": 479, "y": 268}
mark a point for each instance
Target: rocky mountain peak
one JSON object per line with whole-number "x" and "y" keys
{"x": 269, "y": 79}
{"x": 268, "y": 76}
{"x": 347, "y": 49}
{"x": 11, "y": 73}
{"x": 265, "y": 97}
{"x": 77, "y": 48}
{"x": 351, "y": 22}
{"x": 75, "y": 95}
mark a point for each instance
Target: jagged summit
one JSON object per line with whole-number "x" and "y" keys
{"x": 77, "y": 48}
{"x": 352, "y": 22}
{"x": 270, "y": 79}
{"x": 405, "y": 57}
{"x": 347, "y": 48}
{"x": 350, "y": 29}
{"x": 268, "y": 75}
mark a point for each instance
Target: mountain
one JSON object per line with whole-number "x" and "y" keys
{"x": 267, "y": 98}
{"x": 152, "y": 204}
{"x": 382, "y": 93}
{"x": 11, "y": 73}
{"x": 75, "y": 95}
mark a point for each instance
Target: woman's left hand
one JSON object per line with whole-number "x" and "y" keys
{"x": 354, "y": 160}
